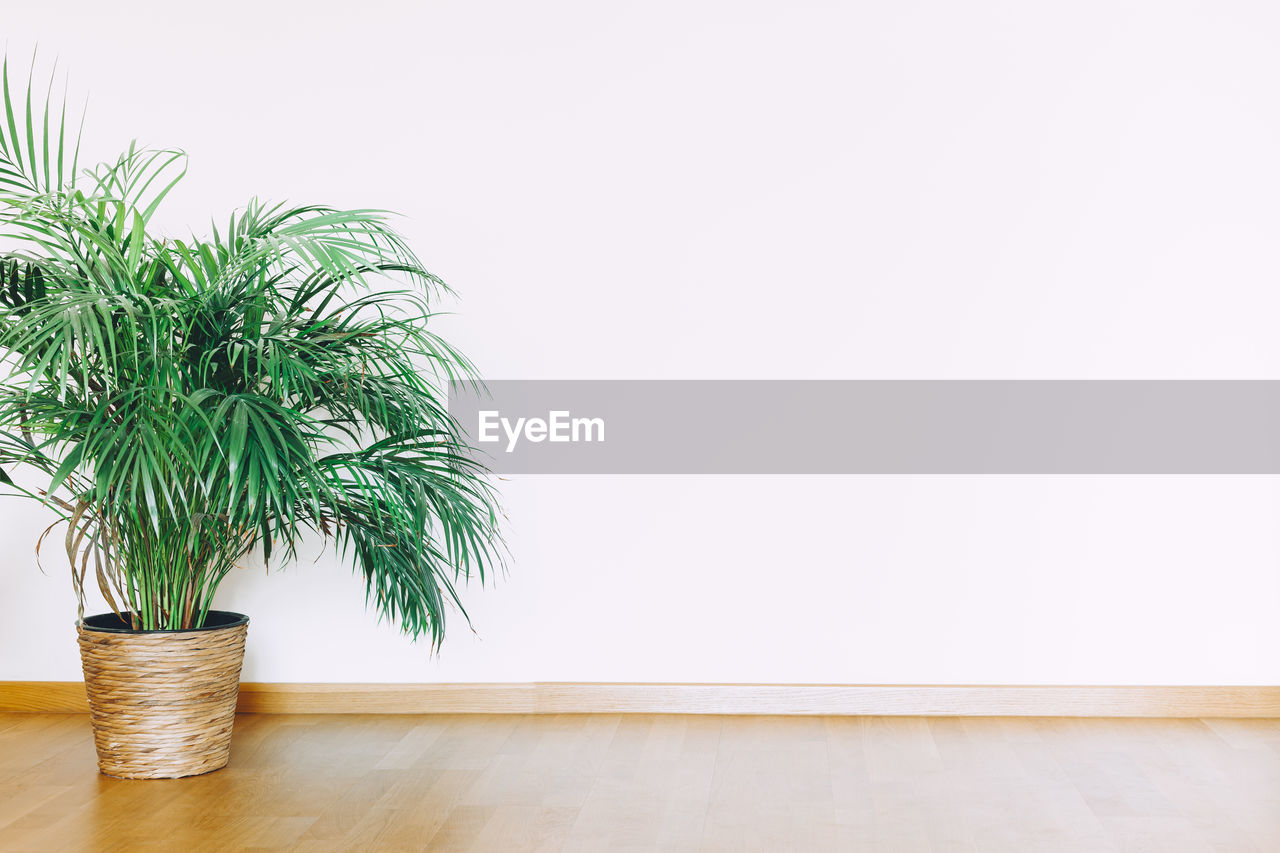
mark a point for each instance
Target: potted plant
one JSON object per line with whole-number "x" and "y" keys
{"x": 181, "y": 403}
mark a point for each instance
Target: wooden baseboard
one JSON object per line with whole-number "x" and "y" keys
{"x": 799, "y": 699}
{"x": 43, "y": 697}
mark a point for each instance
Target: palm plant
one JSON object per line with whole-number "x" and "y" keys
{"x": 184, "y": 402}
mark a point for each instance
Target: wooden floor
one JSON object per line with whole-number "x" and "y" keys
{"x": 513, "y": 783}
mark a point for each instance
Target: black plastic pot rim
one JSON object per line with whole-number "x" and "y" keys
{"x": 110, "y": 623}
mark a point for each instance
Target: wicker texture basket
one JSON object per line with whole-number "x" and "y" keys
{"x": 163, "y": 702}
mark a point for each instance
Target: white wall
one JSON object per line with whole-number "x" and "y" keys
{"x": 784, "y": 190}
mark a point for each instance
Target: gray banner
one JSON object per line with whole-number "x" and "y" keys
{"x": 873, "y": 427}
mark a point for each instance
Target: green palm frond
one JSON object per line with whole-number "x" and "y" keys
{"x": 186, "y": 402}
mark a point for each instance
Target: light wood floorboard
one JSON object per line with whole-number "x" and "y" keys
{"x": 663, "y": 783}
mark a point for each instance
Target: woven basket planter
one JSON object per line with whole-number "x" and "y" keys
{"x": 162, "y": 702}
